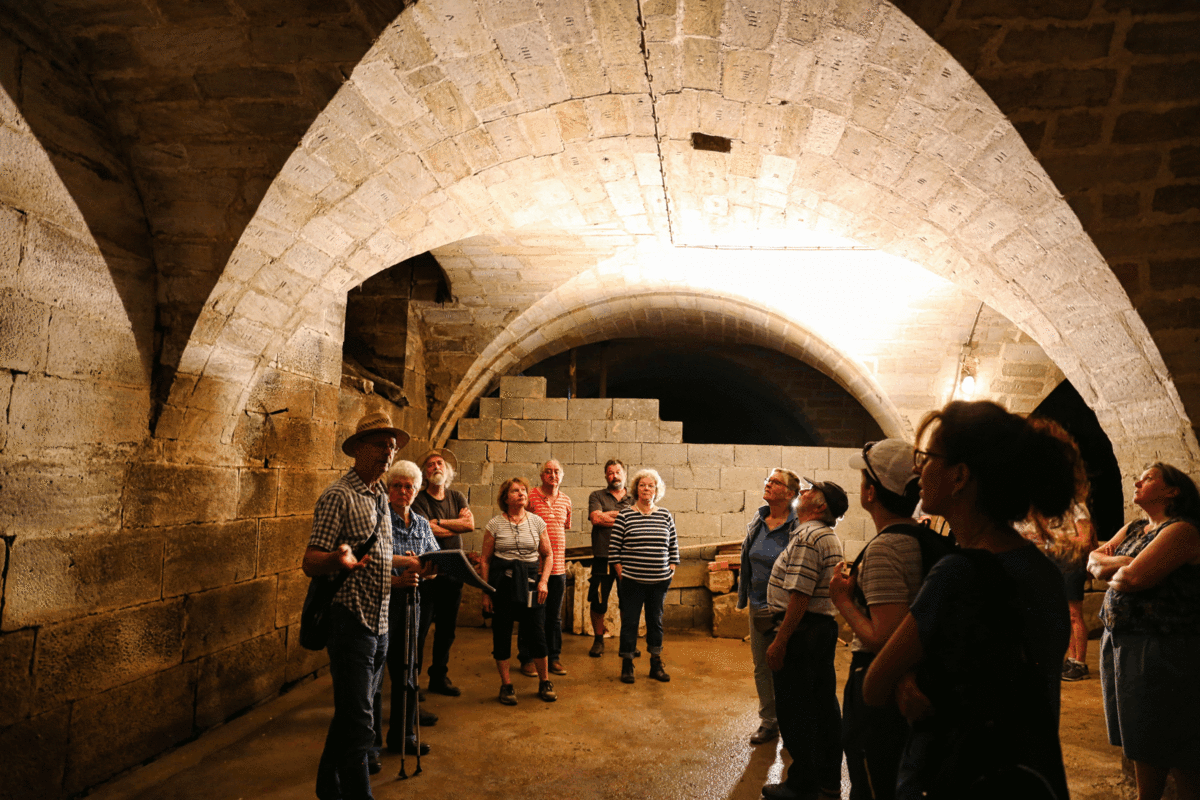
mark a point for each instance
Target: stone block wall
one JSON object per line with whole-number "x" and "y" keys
{"x": 712, "y": 490}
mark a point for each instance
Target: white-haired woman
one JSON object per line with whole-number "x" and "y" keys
{"x": 644, "y": 550}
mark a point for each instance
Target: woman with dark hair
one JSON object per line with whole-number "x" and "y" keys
{"x": 975, "y": 665}
{"x": 1066, "y": 540}
{"x": 516, "y": 561}
{"x": 1151, "y": 647}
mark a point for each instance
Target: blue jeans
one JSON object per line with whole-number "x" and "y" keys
{"x": 633, "y": 596}
{"x": 556, "y": 587}
{"x": 356, "y": 659}
{"x": 764, "y": 682}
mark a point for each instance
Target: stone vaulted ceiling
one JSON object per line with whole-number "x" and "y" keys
{"x": 541, "y": 150}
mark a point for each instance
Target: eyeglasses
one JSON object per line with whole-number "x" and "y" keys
{"x": 920, "y": 457}
{"x": 776, "y": 482}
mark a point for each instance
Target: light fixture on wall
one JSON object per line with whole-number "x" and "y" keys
{"x": 966, "y": 387}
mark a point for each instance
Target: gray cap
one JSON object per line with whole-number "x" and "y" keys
{"x": 889, "y": 462}
{"x": 835, "y": 496}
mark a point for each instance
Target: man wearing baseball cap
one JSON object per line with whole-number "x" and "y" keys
{"x": 801, "y": 654}
{"x": 347, "y": 514}
{"x": 873, "y": 597}
{"x": 449, "y": 517}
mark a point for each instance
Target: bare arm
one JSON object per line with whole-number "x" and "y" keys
{"x": 324, "y": 562}
{"x": 898, "y": 657}
{"x": 1175, "y": 545}
{"x": 797, "y": 606}
{"x": 1101, "y": 561}
{"x": 544, "y": 560}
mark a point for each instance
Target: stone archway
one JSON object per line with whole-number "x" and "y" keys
{"x": 863, "y": 128}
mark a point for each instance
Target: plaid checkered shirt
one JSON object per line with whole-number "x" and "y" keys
{"x": 348, "y": 512}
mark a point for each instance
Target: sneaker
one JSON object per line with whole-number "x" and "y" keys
{"x": 597, "y": 647}
{"x": 529, "y": 670}
{"x": 546, "y": 691}
{"x": 556, "y": 667}
{"x": 1075, "y": 670}
{"x": 507, "y": 696}
{"x": 764, "y": 734}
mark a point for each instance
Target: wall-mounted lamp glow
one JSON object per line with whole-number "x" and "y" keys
{"x": 966, "y": 387}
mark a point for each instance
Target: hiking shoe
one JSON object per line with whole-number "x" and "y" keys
{"x": 1075, "y": 670}
{"x": 507, "y": 696}
{"x": 627, "y": 670}
{"x": 656, "y": 670}
{"x": 597, "y": 647}
{"x": 443, "y": 685}
{"x": 426, "y": 718}
{"x": 556, "y": 668}
{"x": 546, "y": 691}
{"x": 764, "y": 734}
{"x": 529, "y": 670}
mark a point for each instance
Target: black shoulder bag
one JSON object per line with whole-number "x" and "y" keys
{"x": 315, "y": 619}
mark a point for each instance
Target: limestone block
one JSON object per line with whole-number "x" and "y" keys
{"x": 95, "y": 653}
{"x": 623, "y": 408}
{"x": 576, "y": 430}
{"x": 469, "y": 429}
{"x": 534, "y": 387}
{"x": 468, "y": 451}
{"x": 620, "y": 430}
{"x": 720, "y": 501}
{"x": 60, "y": 578}
{"x": 52, "y": 412}
{"x": 806, "y": 459}
{"x": 690, "y": 574}
{"x": 549, "y": 408}
{"x": 299, "y": 489}
{"x": 258, "y": 490}
{"x": 757, "y": 455}
{"x": 16, "y": 665}
{"x": 665, "y": 454}
{"x": 239, "y": 677}
{"x": 695, "y": 597}
{"x": 289, "y": 598}
{"x": 710, "y": 455}
{"x": 720, "y": 581}
{"x": 513, "y": 430}
{"x": 733, "y": 526}
{"x": 79, "y": 494}
{"x": 678, "y": 617}
{"x": 529, "y": 452}
{"x": 35, "y": 754}
{"x": 24, "y": 331}
{"x": 589, "y": 408}
{"x": 470, "y": 613}
{"x": 489, "y": 407}
{"x": 199, "y": 557}
{"x": 729, "y": 622}
{"x": 301, "y": 662}
{"x": 702, "y": 17}
{"x": 120, "y": 728}
{"x": 1092, "y": 603}
{"x": 743, "y": 479}
{"x": 697, "y": 528}
{"x": 646, "y": 431}
{"x": 475, "y": 473}
{"x": 172, "y": 494}
{"x": 222, "y": 617}
{"x": 281, "y": 543}
{"x": 680, "y": 500}
{"x": 701, "y": 64}
{"x": 512, "y": 407}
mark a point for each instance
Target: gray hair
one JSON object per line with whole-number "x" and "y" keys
{"x": 405, "y": 469}
{"x": 660, "y": 487}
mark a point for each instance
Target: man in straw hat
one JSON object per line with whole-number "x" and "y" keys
{"x": 347, "y": 514}
{"x": 450, "y": 517}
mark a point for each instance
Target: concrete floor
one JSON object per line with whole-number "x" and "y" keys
{"x": 602, "y": 739}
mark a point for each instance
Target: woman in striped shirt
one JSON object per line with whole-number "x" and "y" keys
{"x": 644, "y": 550}
{"x": 516, "y": 561}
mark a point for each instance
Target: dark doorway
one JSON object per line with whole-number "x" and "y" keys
{"x": 1066, "y": 407}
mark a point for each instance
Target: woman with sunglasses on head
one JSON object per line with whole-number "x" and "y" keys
{"x": 976, "y": 664}
{"x": 1151, "y": 646}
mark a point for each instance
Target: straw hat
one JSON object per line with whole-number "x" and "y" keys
{"x": 446, "y": 455}
{"x": 375, "y": 421}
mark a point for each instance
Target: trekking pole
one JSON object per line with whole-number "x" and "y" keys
{"x": 411, "y": 638}
{"x": 410, "y": 644}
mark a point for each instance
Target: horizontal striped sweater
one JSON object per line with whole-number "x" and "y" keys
{"x": 645, "y": 545}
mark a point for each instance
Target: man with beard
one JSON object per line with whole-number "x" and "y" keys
{"x": 449, "y": 517}
{"x": 603, "y": 507}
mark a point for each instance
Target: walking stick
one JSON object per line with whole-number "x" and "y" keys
{"x": 410, "y": 680}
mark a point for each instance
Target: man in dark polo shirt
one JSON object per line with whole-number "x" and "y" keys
{"x": 449, "y": 517}
{"x": 603, "y": 507}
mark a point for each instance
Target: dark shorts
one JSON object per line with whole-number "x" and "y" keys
{"x": 600, "y": 584}
{"x": 1074, "y": 582}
